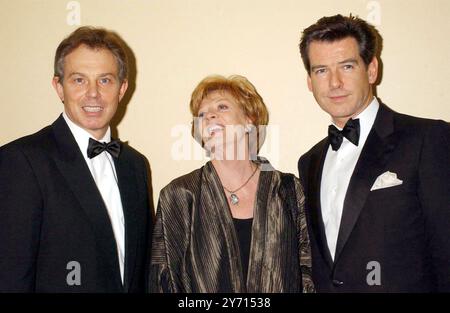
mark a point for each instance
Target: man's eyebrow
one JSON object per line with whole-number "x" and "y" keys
{"x": 315, "y": 67}
{"x": 76, "y": 73}
{"x": 100, "y": 75}
{"x": 351, "y": 60}
{"x": 106, "y": 74}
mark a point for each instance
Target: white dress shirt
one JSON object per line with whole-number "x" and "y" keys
{"x": 104, "y": 173}
{"x": 337, "y": 171}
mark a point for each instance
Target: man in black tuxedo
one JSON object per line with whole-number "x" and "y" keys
{"x": 75, "y": 214}
{"x": 378, "y": 187}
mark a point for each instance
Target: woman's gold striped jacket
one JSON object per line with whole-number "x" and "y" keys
{"x": 195, "y": 246}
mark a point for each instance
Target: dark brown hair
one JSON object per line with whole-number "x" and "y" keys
{"x": 337, "y": 27}
{"x": 95, "y": 38}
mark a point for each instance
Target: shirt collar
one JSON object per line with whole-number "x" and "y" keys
{"x": 82, "y": 136}
{"x": 366, "y": 120}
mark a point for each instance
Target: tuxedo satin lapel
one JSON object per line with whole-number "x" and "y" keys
{"x": 128, "y": 193}
{"x": 371, "y": 163}
{"x": 315, "y": 179}
{"x": 74, "y": 169}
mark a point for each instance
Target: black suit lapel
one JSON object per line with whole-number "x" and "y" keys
{"x": 315, "y": 179}
{"x": 74, "y": 169}
{"x": 372, "y": 161}
{"x": 128, "y": 193}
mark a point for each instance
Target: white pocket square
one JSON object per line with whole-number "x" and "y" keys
{"x": 386, "y": 180}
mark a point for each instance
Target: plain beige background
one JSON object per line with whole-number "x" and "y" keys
{"x": 176, "y": 43}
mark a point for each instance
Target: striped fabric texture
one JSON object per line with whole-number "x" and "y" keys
{"x": 195, "y": 246}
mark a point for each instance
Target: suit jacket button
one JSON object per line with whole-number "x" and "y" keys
{"x": 337, "y": 283}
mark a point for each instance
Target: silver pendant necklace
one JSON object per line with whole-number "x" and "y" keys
{"x": 234, "y": 199}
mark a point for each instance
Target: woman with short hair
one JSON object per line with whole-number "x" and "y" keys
{"x": 235, "y": 224}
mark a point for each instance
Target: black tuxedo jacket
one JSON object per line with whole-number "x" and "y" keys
{"x": 405, "y": 228}
{"x": 51, "y": 213}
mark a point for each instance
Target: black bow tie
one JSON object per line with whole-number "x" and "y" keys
{"x": 350, "y": 131}
{"x": 96, "y": 147}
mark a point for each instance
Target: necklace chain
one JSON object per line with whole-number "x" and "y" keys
{"x": 234, "y": 191}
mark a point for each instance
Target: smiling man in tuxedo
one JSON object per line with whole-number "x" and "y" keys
{"x": 75, "y": 214}
{"x": 378, "y": 187}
